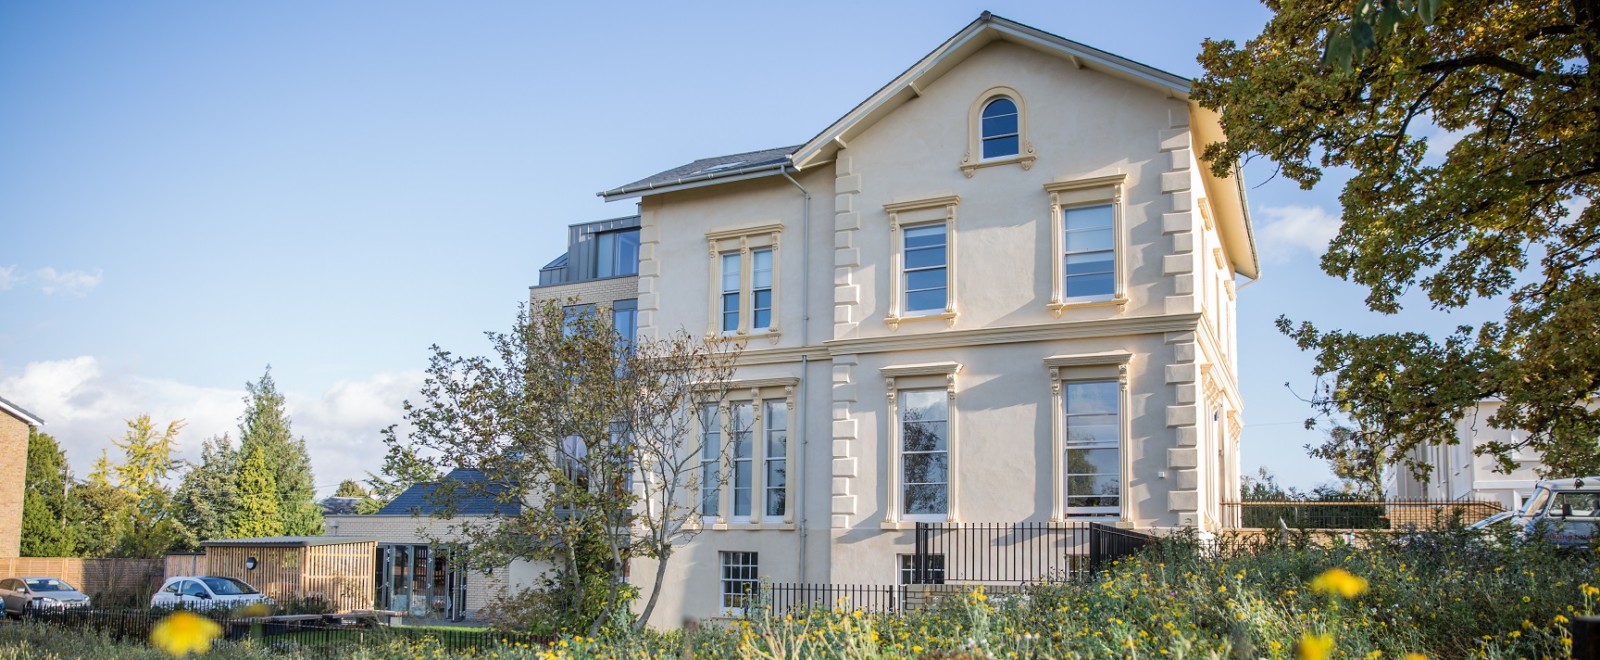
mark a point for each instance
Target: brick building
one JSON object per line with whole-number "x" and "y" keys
{"x": 14, "y": 426}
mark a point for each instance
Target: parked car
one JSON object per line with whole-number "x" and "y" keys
{"x": 31, "y": 594}
{"x": 206, "y": 591}
{"x": 1564, "y": 511}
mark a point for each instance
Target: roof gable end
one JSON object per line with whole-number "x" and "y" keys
{"x": 980, "y": 33}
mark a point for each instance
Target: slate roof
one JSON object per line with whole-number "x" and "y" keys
{"x": 286, "y": 541}
{"x": 706, "y": 169}
{"x": 18, "y": 412}
{"x": 340, "y": 506}
{"x": 473, "y": 496}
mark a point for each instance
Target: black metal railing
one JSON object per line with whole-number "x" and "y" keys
{"x": 1017, "y": 553}
{"x": 794, "y": 597}
{"x": 1355, "y": 513}
{"x": 330, "y": 635}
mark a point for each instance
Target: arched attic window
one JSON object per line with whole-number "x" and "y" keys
{"x": 998, "y": 126}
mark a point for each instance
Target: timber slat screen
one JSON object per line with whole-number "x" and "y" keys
{"x": 1359, "y": 513}
{"x": 340, "y": 573}
{"x": 1017, "y": 552}
{"x": 92, "y": 576}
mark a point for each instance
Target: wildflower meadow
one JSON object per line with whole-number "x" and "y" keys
{"x": 1444, "y": 595}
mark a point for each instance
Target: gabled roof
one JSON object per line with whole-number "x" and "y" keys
{"x": 474, "y": 496}
{"x": 978, "y": 34}
{"x": 1226, "y": 193}
{"x": 17, "y": 411}
{"x": 731, "y": 167}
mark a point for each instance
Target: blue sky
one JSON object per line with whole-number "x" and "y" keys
{"x": 189, "y": 192}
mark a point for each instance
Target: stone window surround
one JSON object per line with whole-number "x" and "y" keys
{"x": 1091, "y": 191}
{"x": 931, "y": 375}
{"x": 742, "y": 240}
{"x": 973, "y": 160}
{"x": 910, "y": 214}
{"x": 1084, "y": 367}
{"x": 754, "y": 392}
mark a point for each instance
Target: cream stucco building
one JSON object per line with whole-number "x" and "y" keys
{"x": 1000, "y": 289}
{"x": 1459, "y": 473}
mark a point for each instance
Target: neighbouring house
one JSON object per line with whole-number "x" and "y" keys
{"x": 15, "y": 423}
{"x": 1459, "y": 473}
{"x": 1000, "y": 289}
{"x": 600, "y": 270}
{"x": 413, "y": 569}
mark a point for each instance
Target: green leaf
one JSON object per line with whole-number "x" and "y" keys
{"x": 1337, "y": 52}
{"x": 1428, "y": 10}
{"x": 1388, "y": 19}
{"x": 1361, "y": 34}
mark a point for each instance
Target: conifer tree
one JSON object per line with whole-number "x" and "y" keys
{"x": 46, "y": 531}
{"x": 266, "y": 426}
{"x": 103, "y": 511}
{"x": 209, "y": 493}
{"x": 258, "y": 513}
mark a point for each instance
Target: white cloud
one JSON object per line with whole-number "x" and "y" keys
{"x": 1439, "y": 145}
{"x": 9, "y": 277}
{"x": 1290, "y": 229}
{"x": 85, "y": 405}
{"x": 67, "y": 283}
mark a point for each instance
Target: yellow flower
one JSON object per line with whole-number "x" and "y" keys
{"x": 182, "y": 633}
{"x": 1414, "y": 656}
{"x": 1560, "y": 619}
{"x": 1339, "y": 581}
{"x": 1315, "y": 647}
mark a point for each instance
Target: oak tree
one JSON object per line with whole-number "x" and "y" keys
{"x": 1365, "y": 85}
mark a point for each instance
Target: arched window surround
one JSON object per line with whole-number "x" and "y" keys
{"x": 974, "y": 157}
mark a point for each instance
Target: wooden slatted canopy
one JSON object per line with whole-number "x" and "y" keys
{"x": 337, "y": 569}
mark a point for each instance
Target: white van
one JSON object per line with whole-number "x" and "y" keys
{"x": 1565, "y": 511}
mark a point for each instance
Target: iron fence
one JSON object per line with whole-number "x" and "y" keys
{"x": 330, "y": 635}
{"x": 1018, "y": 553}
{"x": 787, "y": 597}
{"x": 1358, "y": 513}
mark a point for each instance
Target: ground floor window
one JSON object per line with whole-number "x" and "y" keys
{"x": 739, "y": 580}
{"x": 934, "y": 569}
{"x": 421, "y": 581}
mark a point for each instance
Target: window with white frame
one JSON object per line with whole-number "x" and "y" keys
{"x": 741, "y": 420}
{"x": 1090, "y": 257}
{"x": 710, "y": 459}
{"x": 775, "y": 419}
{"x": 933, "y": 572}
{"x": 754, "y": 488}
{"x": 1092, "y": 423}
{"x": 1087, "y": 241}
{"x": 922, "y": 442}
{"x": 923, "y": 261}
{"x": 740, "y": 580}
{"x": 1090, "y": 432}
{"x": 1001, "y": 135}
{"x": 760, "y": 289}
{"x": 744, "y": 271}
{"x": 997, "y": 129}
{"x": 925, "y": 452}
{"x": 732, "y": 285}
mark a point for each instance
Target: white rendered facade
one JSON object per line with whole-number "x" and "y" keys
{"x": 1046, "y": 334}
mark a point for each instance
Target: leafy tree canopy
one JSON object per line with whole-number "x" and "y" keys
{"x": 46, "y": 530}
{"x": 1505, "y": 214}
{"x": 208, "y": 496}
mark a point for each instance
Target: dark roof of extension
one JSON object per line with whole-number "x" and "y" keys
{"x": 473, "y": 495}
{"x": 707, "y": 169}
{"x": 285, "y": 541}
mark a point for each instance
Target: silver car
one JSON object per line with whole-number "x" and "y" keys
{"x": 31, "y": 594}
